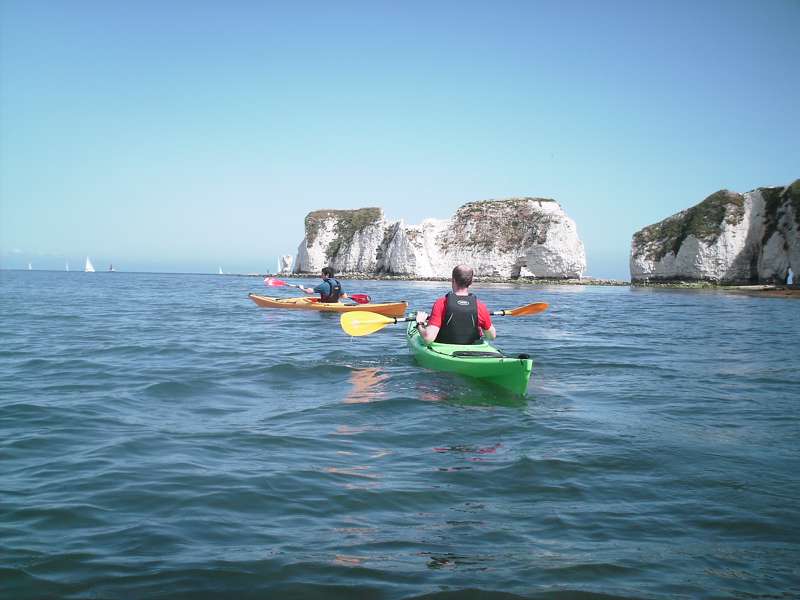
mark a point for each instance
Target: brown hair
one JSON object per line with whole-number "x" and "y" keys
{"x": 327, "y": 271}
{"x": 462, "y": 275}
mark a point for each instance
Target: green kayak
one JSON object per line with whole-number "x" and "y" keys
{"x": 482, "y": 361}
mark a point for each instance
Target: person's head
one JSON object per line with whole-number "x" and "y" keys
{"x": 327, "y": 272}
{"x": 462, "y": 277}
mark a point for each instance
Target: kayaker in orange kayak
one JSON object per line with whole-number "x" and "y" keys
{"x": 330, "y": 290}
{"x": 458, "y": 317}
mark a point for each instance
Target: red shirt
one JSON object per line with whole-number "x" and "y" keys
{"x": 437, "y": 313}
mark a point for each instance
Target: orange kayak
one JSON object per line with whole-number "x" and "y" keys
{"x": 389, "y": 309}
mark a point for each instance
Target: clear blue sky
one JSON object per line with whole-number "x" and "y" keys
{"x": 184, "y": 136}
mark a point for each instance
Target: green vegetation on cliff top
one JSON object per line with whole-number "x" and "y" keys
{"x": 348, "y": 223}
{"x": 504, "y": 225}
{"x": 776, "y": 200}
{"x": 703, "y": 221}
{"x": 506, "y": 202}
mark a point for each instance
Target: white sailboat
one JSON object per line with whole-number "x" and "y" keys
{"x": 111, "y": 268}
{"x": 30, "y": 268}
{"x": 89, "y": 268}
{"x": 66, "y": 266}
{"x": 220, "y": 271}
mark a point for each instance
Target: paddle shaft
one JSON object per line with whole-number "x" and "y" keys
{"x": 413, "y": 316}
{"x": 271, "y": 281}
{"x": 294, "y": 285}
{"x": 364, "y": 323}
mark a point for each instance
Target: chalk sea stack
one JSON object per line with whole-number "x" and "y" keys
{"x": 515, "y": 237}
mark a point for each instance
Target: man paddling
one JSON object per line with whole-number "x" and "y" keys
{"x": 458, "y": 317}
{"x": 330, "y": 290}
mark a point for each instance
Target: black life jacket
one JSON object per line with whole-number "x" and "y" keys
{"x": 336, "y": 291}
{"x": 460, "y": 320}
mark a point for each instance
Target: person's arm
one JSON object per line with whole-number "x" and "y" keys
{"x": 485, "y": 322}
{"x": 317, "y": 290}
{"x": 429, "y": 326}
{"x": 427, "y": 331}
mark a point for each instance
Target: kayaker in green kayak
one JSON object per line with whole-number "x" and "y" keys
{"x": 330, "y": 290}
{"x": 458, "y": 317}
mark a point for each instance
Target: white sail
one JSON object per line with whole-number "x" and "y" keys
{"x": 30, "y": 268}
{"x": 89, "y": 268}
{"x": 220, "y": 271}
{"x": 66, "y": 266}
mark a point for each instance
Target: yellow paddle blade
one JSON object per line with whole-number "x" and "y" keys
{"x": 528, "y": 309}
{"x": 364, "y": 322}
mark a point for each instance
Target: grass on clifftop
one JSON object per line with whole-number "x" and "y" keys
{"x": 703, "y": 221}
{"x": 348, "y": 222}
{"x": 504, "y": 225}
{"x": 776, "y": 201}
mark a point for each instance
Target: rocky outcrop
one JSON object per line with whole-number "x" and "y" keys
{"x": 346, "y": 240}
{"x": 726, "y": 238}
{"x": 498, "y": 238}
{"x": 285, "y": 264}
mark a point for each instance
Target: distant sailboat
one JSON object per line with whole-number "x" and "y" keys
{"x": 66, "y": 266}
{"x": 89, "y": 268}
{"x": 30, "y": 268}
{"x": 220, "y": 271}
{"x": 110, "y": 268}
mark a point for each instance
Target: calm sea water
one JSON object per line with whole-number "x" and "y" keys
{"x": 162, "y": 436}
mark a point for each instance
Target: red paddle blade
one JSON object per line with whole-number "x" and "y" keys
{"x": 271, "y": 281}
{"x": 360, "y": 298}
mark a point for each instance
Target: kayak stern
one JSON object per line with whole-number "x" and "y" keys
{"x": 480, "y": 361}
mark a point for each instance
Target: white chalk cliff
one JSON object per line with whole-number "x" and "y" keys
{"x": 285, "y": 264}
{"x": 726, "y": 238}
{"x": 503, "y": 238}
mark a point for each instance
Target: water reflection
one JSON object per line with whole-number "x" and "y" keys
{"x": 348, "y": 561}
{"x": 354, "y": 471}
{"x": 355, "y": 477}
{"x": 369, "y": 385}
{"x": 466, "y": 391}
{"x": 450, "y": 560}
{"x": 469, "y": 454}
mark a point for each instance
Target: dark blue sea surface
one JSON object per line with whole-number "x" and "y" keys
{"x": 161, "y": 436}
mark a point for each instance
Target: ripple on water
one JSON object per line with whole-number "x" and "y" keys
{"x": 167, "y": 434}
